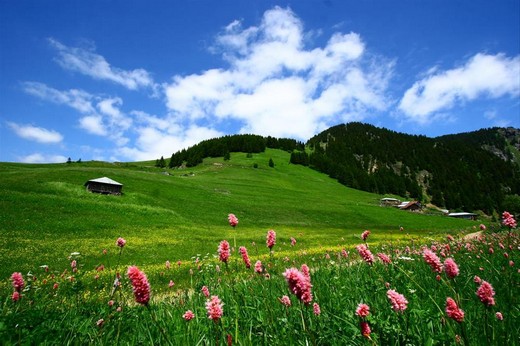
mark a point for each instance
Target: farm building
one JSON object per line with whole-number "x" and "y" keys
{"x": 464, "y": 215}
{"x": 411, "y": 206}
{"x": 389, "y": 202}
{"x": 104, "y": 185}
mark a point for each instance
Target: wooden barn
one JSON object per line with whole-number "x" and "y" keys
{"x": 105, "y": 186}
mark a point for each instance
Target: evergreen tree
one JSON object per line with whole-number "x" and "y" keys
{"x": 271, "y": 162}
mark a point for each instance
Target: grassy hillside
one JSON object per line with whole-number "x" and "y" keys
{"x": 46, "y": 214}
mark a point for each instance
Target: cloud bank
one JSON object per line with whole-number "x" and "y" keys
{"x": 483, "y": 75}
{"x": 276, "y": 85}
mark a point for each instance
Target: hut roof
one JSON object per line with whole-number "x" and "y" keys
{"x": 104, "y": 180}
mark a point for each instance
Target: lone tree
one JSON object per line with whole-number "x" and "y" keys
{"x": 271, "y": 162}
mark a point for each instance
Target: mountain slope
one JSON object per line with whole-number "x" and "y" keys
{"x": 46, "y": 213}
{"x": 469, "y": 171}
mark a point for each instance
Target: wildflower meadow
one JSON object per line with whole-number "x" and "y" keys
{"x": 461, "y": 289}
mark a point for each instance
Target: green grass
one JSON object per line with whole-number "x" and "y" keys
{"x": 46, "y": 213}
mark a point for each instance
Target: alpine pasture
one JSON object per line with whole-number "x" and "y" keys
{"x": 171, "y": 278}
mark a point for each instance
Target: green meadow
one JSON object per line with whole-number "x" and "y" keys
{"x": 46, "y": 212}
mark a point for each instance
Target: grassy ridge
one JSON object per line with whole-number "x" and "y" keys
{"x": 46, "y": 213}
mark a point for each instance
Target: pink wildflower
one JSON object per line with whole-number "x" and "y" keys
{"x": 110, "y": 303}
{"x": 299, "y": 284}
{"x": 491, "y": 251}
{"x": 214, "y": 308}
{"x": 245, "y": 256}
{"x": 258, "y": 267}
{"x": 365, "y": 329}
{"x": 293, "y": 241}
{"x": 499, "y": 316}
{"x": 365, "y": 235}
{"x": 362, "y": 310}
{"x": 285, "y": 300}
{"x": 100, "y": 322}
{"x": 344, "y": 253}
{"x": 508, "y": 220}
{"x": 171, "y": 284}
{"x": 55, "y": 286}
{"x": 233, "y": 221}
{"x": 398, "y": 301}
{"x": 306, "y": 271}
{"x": 453, "y": 311}
{"x": 316, "y": 309}
{"x": 482, "y": 227}
{"x": 17, "y": 280}
{"x": 477, "y": 280}
{"x": 73, "y": 264}
{"x": 140, "y": 285}
{"x": 16, "y": 296}
{"x": 431, "y": 258}
{"x": 120, "y": 242}
{"x": 223, "y": 251}
{"x": 450, "y": 237}
{"x": 188, "y": 315}
{"x": 365, "y": 253}
{"x": 384, "y": 258}
{"x": 168, "y": 265}
{"x": 485, "y": 293}
{"x": 451, "y": 268}
{"x": 271, "y": 239}
{"x": 205, "y": 291}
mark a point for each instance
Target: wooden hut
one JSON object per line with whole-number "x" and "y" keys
{"x": 104, "y": 185}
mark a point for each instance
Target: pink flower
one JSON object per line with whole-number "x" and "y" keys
{"x": 168, "y": 265}
{"x": 285, "y": 300}
{"x": 120, "y": 242}
{"x": 362, "y": 310}
{"x": 205, "y": 291}
{"x": 365, "y": 253}
{"x": 384, "y": 258}
{"x": 55, "y": 286}
{"x": 214, "y": 308}
{"x": 344, "y": 253}
{"x": 365, "y": 329}
{"x": 453, "y": 311}
{"x": 306, "y": 271}
{"x": 316, "y": 309}
{"x": 73, "y": 264}
{"x": 270, "y": 239}
{"x": 499, "y": 316}
{"x": 233, "y": 221}
{"x": 482, "y": 227}
{"x": 451, "y": 268}
{"x": 140, "y": 285}
{"x": 477, "y": 280}
{"x": 17, "y": 280}
{"x": 16, "y": 296}
{"x": 188, "y": 315}
{"x": 450, "y": 237}
{"x": 299, "y": 284}
{"x": 223, "y": 251}
{"x": 110, "y": 303}
{"x": 258, "y": 267}
{"x": 100, "y": 322}
{"x": 293, "y": 241}
{"x": 431, "y": 258}
{"x": 508, "y": 220}
{"x": 365, "y": 235}
{"x": 397, "y": 300}
{"x": 245, "y": 256}
{"x": 485, "y": 293}
{"x": 171, "y": 284}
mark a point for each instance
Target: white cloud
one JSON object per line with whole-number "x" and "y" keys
{"x": 490, "y": 76}
{"x": 87, "y": 62}
{"x": 37, "y": 134}
{"x": 274, "y": 85}
{"x": 42, "y": 158}
{"x": 93, "y": 124}
{"x": 77, "y": 99}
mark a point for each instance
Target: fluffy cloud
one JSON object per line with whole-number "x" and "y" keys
{"x": 87, "y": 62}
{"x": 274, "y": 85}
{"x": 37, "y": 134}
{"x": 42, "y": 158}
{"x": 484, "y": 75}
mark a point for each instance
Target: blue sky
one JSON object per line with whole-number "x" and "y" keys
{"x": 137, "y": 80}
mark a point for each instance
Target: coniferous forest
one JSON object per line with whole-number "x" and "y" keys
{"x": 474, "y": 171}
